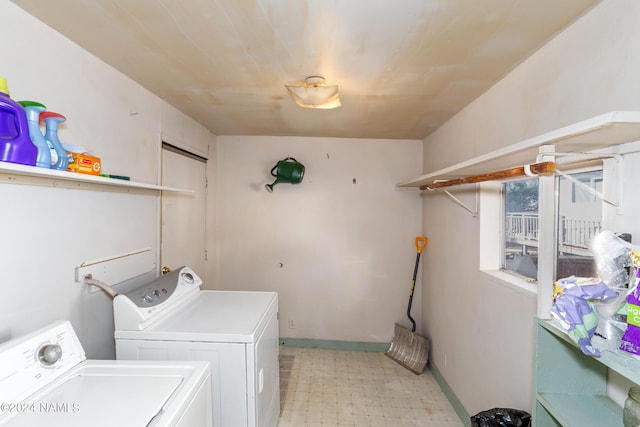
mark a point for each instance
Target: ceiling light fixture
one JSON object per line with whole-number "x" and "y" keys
{"x": 314, "y": 93}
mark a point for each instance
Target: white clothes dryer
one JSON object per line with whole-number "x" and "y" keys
{"x": 171, "y": 318}
{"x": 46, "y": 380}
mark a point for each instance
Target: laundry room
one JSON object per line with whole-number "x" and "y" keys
{"x": 337, "y": 245}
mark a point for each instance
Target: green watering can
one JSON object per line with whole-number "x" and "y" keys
{"x": 288, "y": 170}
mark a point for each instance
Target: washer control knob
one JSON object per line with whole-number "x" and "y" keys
{"x": 156, "y": 293}
{"x": 49, "y": 354}
{"x": 147, "y": 298}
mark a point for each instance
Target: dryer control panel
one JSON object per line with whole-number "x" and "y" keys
{"x": 161, "y": 289}
{"x": 138, "y": 308}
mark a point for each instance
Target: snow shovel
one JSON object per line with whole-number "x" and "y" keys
{"x": 408, "y": 348}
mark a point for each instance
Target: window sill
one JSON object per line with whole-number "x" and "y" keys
{"x": 512, "y": 281}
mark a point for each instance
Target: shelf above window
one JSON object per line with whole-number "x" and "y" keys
{"x": 21, "y": 174}
{"x": 606, "y": 130}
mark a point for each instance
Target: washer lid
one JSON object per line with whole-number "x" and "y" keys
{"x": 99, "y": 400}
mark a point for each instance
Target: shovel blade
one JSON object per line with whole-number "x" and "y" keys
{"x": 409, "y": 349}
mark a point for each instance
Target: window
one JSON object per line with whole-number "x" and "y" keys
{"x": 521, "y": 227}
{"x": 579, "y": 218}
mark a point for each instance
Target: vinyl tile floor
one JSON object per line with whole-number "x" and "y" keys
{"x": 358, "y": 388}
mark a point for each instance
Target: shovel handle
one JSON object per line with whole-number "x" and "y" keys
{"x": 421, "y": 243}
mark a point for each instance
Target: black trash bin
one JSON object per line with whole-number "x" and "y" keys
{"x": 501, "y": 417}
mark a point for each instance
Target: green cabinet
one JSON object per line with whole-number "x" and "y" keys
{"x": 570, "y": 387}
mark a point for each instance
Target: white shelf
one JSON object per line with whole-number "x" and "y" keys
{"x": 606, "y": 130}
{"x": 14, "y": 173}
{"x": 580, "y": 410}
{"x": 570, "y": 387}
{"x": 624, "y": 363}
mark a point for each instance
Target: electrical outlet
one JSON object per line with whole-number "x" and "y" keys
{"x": 292, "y": 324}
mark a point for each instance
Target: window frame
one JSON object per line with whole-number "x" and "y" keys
{"x": 492, "y": 232}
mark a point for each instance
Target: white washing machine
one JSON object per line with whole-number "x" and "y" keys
{"x": 171, "y": 318}
{"x": 46, "y": 380}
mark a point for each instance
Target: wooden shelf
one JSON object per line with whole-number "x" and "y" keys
{"x": 606, "y": 130}
{"x": 21, "y": 174}
{"x": 571, "y": 387}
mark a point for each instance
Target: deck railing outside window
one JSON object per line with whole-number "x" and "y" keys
{"x": 521, "y": 227}
{"x": 574, "y": 234}
{"x": 577, "y": 233}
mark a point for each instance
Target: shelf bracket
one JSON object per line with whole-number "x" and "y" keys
{"x": 460, "y": 203}
{"x": 594, "y": 156}
{"x": 588, "y": 189}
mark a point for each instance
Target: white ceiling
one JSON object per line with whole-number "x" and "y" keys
{"x": 403, "y": 66}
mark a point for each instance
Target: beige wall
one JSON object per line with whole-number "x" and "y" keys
{"x": 347, "y": 249}
{"x": 482, "y": 329}
{"x": 47, "y": 230}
